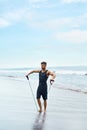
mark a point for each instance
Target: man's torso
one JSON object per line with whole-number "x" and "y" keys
{"x": 43, "y": 79}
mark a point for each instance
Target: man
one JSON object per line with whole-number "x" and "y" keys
{"x": 42, "y": 88}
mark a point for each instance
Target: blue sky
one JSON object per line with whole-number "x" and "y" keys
{"x": 35, "y": 30}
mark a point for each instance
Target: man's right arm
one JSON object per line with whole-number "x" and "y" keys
{"x": 31, "y": 72}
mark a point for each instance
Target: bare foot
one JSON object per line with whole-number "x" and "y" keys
{"x": 40, "y": 111}
{"x": 44, "y": 111}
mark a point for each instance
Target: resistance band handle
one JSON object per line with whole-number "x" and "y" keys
{"x": 27, "y": 77}
{"x": 51, "y": 81}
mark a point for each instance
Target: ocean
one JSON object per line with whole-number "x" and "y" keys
{"x": 72, "y": 78}
{"x": 67, "y": 100}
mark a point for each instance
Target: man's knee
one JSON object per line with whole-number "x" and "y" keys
{"x": 45, "y": 101}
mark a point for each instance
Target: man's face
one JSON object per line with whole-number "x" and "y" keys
{"x": 43, "y": 66}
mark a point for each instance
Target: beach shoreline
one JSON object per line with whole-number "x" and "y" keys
{"x": 67, "y": 110}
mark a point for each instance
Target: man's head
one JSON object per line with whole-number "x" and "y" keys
{"x": 43, "y": 65}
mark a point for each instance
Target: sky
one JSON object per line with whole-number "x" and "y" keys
{"x": 32, "y": 31}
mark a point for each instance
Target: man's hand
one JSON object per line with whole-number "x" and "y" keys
{"x": 27, "y": 77}
{"x": 51, "y": 81}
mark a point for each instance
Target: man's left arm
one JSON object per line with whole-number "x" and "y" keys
{"x": 53, "y": 76}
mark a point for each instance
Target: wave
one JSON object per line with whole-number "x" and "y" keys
{"x": 70, "y": 72}
{"x": 11, "y": 77}
{"x": 60, "y": 70}
{"x": 78, "y": 90}
{"x": 56, "y": 85}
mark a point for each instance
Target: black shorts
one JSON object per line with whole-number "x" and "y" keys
{"x": 42, "y": 92}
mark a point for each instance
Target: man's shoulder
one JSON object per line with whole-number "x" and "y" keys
{"x": 47, "y": 71}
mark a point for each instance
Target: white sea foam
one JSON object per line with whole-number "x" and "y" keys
{"x": 71, "y": 72}
{"x": 71, "y": 88}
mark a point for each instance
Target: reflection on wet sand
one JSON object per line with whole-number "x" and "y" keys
{"x": 39, "y": 122}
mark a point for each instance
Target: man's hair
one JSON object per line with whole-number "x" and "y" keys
{"x": 45, "y": 63}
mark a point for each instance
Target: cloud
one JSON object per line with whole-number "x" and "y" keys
{"x": 4, "y": 23}
{"x": 73, "y": 1}
{"x": 33, "y": 20}
{"x": 13, "y": 17}
{"x": 61, "y": 23}
{"x": 37, "y": 1}
{"x": 74, "y": 36}
{"x": 51, "y": 24}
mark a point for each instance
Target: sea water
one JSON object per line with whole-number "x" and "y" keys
{"x": 73, "y": 78}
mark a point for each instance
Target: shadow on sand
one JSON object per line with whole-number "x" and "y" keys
{"x": 39, "y": 122}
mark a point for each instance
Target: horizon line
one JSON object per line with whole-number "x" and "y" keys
{"x": 39, "y": 67}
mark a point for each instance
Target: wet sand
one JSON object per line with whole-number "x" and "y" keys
{"x": 67, "y": 110}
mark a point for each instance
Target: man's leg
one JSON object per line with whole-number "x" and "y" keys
{"x": 38, "y": 99}
{"x": 45, "y": 105}
{"x": 44, "y": 95}
{"x": 39, "y": 103}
